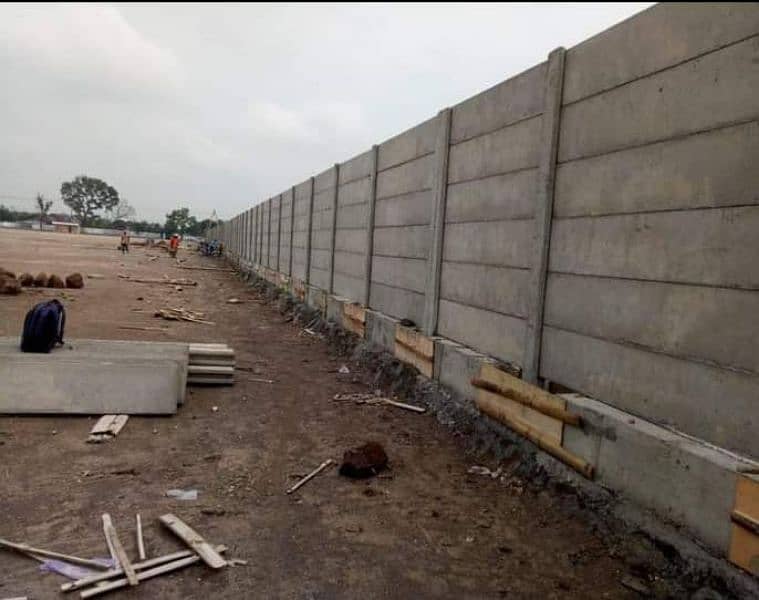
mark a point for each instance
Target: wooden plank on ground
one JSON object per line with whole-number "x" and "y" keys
{"x": 103, "y": 425}
{"x": 193, "y": 539}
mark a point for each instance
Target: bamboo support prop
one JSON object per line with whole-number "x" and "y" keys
{"x": 491, "y": 407}
{"x": 38, "y": 552}
{"x": 536, "y": 403}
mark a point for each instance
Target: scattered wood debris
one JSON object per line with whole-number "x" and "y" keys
{"x": 182, "y": 314}
{"x": 192, "y": 268}
{"x": 36, "y": 552}
{"x": 193, "y": 539}
{"x": 235, "y": 301}
{"x": 360, "y": 398}
{"x": 311, "y": 475}
{"x": 140, "y": 540}
{"x": 118, "y": 553}
{"x": 165, "y": 280}
{"x": 107, "y": 428}
{"x": 136, "y": 328}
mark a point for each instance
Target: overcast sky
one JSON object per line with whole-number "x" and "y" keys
{"x": 220, "y": 106}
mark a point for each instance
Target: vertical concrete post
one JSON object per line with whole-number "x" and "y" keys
{"x": 437, "y": 222}
{"x": 279, "y": 233}
{"x": 255, "y": 235}
{"x": 292, "y": 231}
{"x": 260, "y": 235}
{"x": 549, "y": 144}
{"x": 309, "y": 232}
{"x": 333, "y": 231}
{"x": 268, "y": 238}
{"x": 370, "y": 227}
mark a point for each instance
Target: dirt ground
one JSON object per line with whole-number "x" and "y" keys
{"x": 424, "y": 529}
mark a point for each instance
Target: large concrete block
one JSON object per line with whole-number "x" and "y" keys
{"x": 408, "y": 145}
{"x": 712, "y": 91}
{"x": 456, "y": 365}
{"x": 409, "y": 209}
{"x": 710, "y": 324}
{"x": 502, "y": 197}
{"x": 505, "y": 150}
{"x": 499, "y": 335}
{"x": 413, "y": 176}
{"x": 352, "y": 216}
{"x": 716, "y": 168}
{"x": 60, "y": 383}
{"x": 498, "y": 289}
{"x": 709, "y": 246}
{"x": 662, "y": 36}
{"x": 380, "y": 329}
{"x": 512, "y": 100}
{"x": 324, "y": 181}
{"x": 406, "y": 273}
{"x": 696, "y": 398}
{"x": 319, "y": 277}
{"x": 684, "y": 480}
{"x": 396, "y": 302}
{"x": 403, "y": 242}
{"x": 501, "y": 243}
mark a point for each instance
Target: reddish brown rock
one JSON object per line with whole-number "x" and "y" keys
{"x": 75, "y": 280}
{"x": 55, "y": 282}
{"x": 364, "y": 461}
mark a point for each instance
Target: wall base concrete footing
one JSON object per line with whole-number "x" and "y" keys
{"x": 677, "y": 489}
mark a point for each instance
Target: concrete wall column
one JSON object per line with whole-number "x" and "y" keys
{"x": 309, "y": 231}
{"x": 333, "y": 230}
{"x": 268, "y": 238}
{"x": 437, "y": 222}
{"x": 370, "y": 227}
{"x": 549, "y": 144}
{"x": 292, "y": 231}
{"x": 279, "y": 233}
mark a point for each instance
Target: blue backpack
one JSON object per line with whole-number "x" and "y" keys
{"x": 43, "y": 327}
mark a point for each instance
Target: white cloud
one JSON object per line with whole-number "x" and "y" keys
{"x": 87, "y": 47}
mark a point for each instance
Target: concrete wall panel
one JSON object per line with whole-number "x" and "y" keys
{"x": 408, "y": 145}
{"x": 349, "y": 264}
{"x": 510, "y": 196}
{"x": 712, "y": 246}
{"x": 717, "y": 168}
{"x": 356, "y": 168}
{"x": 499, "y": 290}
{"x": 408, "y": 209}
{"x": 685, "y": 99}
{"x": 499, "y": 335}
{"x": 692, "y": 397}
{"x": 351, "y": 240}
{"x": 398, "y": 303}
{"x": 352, "y": 216}
{"x": 500, "y": 243}
{"x": 407, "y": 273}
{"x": 355, "y": 192}
{"x": 404, "y": 242}
{"x": 662, "y": 36}
{"x": 348, "y": 287}
{"x": 503, "y": 151}
{"x": 412, "y": 176}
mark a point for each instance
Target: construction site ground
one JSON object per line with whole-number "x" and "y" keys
{"x": 425, "y": 528}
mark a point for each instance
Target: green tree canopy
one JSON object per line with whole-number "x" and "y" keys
{"x": 86, "y": 196}
{"x": 180, "y": 221}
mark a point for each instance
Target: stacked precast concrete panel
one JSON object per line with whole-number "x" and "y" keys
{"x": 321, "y": 229}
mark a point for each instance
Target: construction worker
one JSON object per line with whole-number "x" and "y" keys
{"x": 124, "y": 242}
{"x": 174, "y": 244}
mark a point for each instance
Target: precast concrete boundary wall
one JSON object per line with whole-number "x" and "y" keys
{"x": 592, "y": 221}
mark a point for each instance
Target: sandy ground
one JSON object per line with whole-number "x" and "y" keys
{"x": 424, "y": 529}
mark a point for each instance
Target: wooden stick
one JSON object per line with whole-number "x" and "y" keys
{"x": 142, "y": 576}
{"x": 492, "y": 408}
{"x": 111, "y": 550}
{"x": 135, "y": 328}
{"x": 190, "y": 537}
{"x": 140, "y": 541}
{"x": 259, "y": 380}
{"x": 67, "y": 557}
{"x": 124, "y": 561}
{"x": 71, "y": 586}
{"x": 311, "y": 475}
{"x": 418, "y": 409}
{"x": 535, "y": 402}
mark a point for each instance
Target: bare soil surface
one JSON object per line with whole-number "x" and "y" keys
{"x": 424, "y": 528}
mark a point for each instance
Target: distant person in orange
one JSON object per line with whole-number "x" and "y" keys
{"x": 174, "y": 245}
{"x": 124, "y": 242}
